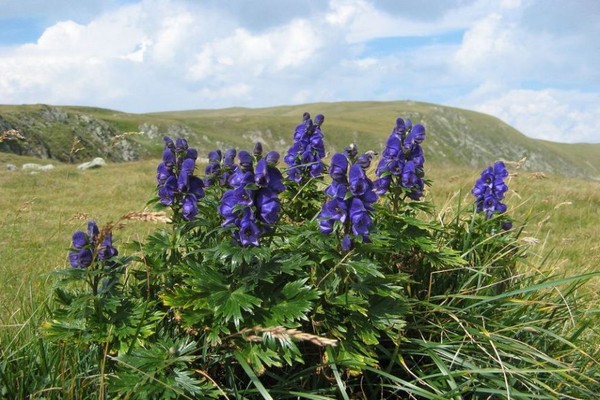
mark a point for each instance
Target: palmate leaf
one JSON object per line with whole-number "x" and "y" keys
{"x": 296, "y": 302}
{"x": 58, "y": 330}
{"x": 229, "y": 305}
{"x": 351, "y": 301}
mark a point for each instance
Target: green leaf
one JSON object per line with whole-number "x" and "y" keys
{"x": 257, "y": 383}
{"x": 230, "y": 304}
{"x": 296, "y": 303}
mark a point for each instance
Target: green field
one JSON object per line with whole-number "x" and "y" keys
{"x": 542, "y": 326}
{"x": 39, "y": 212}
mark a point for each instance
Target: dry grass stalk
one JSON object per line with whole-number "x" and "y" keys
{"x": 285, "y": 335}
{"x": 121, "y": 136}
{"x": 539, "y": 175}
{"x": 10, "y": 135}
{"x": 516, "y": 164}
{"x": 76, "y": 147}
{"x": 146, "y": 216}
{"x": 79, "y": 216}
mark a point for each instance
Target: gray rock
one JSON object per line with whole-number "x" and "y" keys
{"x": 37, "y": 167}
{"x": 95, "y": 163}
{"x": 11, "y": 167}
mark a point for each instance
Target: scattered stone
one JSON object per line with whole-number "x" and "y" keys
{"x": 95, "y": 163}
{"x": 37, "y": 167}
{"x": 11, "y": 167}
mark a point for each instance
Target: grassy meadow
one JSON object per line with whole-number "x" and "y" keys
{"x": 39, "y": 212}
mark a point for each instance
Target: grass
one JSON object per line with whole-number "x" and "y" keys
{"x": 39, "y": 212}
{"x": 454, "y": 135}
{"x": 562, "y": 214}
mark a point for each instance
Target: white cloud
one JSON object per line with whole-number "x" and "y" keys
{"x": 550, "y": 114}
{"x": 153, "y": 55}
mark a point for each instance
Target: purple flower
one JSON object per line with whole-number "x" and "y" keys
{"x": 336, "y": 190}
{"x": 346, "y": 243}
{"x": 268, "y": 207}
{"x": 163, "y": 173}
{"x": 192, "y": 154}
{"x": 168, "y": 142}
{"x": 338, "y": 168}
{"x": 267, "y": 175}
{"x": 81, "y": 258}
{"x": 304, "y": 155}
{"x": 272, "y": 158}
{"x": 335, "y": 210}
{"x": 177, "y": 185}
{"x": 248, "y": 232}
{"x": 252, "y": 206}
{"x": 245, "y": 160}
{"x": 229, "y": 157}
{"x": 93, "y": 231}
{"x": 489, "y": 190}
{"x": 215, "y": 156}
{"x": 107, "y": 250}
{"x": 83, "y": 245}
{"x": 361, "y": 221}
{"x": 364, "y": 160}
{"x": 189, "y": 207}
{"x": 258, "y": 150}
{"x": 81, "y": 255}
{"x": 382, "y": 184}
{"x": 352, "y": 194}
{"x": 167, "y": 191}
{"x": 319, "y": 119}
{"x": 359, "y": 183}
{"x": 168, "y": 157}
{"x": 181, "y": 145}
{"x": 402, "y": 160}
{"x": 261, "y": 175}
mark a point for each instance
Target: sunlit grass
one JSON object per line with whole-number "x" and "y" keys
{"x": 562, "y": 215}
{"x": 40, "y": 211}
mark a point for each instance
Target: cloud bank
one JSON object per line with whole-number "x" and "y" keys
{"x": 530, "y": 63}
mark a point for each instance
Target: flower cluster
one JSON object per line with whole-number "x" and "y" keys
{"x": 402, "y": 160}
{"x": 86, "y": 243}
{"x": 177, "y": 185}
{"x": 304, "y": 156}
{"x": 252, "y": 206}
{"x": 489, "y": 190}
{"x": 352, "y": 197}
{"x": 220, "y": 167}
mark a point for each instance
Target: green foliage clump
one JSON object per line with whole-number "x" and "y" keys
{"x": 420, "y": 307}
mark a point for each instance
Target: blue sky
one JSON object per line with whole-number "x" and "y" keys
{"x": 532, "y": 63}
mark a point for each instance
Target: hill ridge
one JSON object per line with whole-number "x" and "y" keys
{"x": 454, "y": 135}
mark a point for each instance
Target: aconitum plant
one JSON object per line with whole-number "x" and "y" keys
{"x": 304, "y": 156}
{"x": 352, "y": 195}
{"x": 489, "y": 190}
{"x": 85, "y": 244}
{"x": 177, "y": 185}
{"x": 252, "y": 206}
{"x": 402, "y": 160}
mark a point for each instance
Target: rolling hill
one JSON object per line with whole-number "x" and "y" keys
{"x": 454, "y": 136}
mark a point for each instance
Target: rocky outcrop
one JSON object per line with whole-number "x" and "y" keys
{"x": 49, "y": 132}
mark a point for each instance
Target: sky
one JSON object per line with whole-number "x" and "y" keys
{"x": 535, "y": 64}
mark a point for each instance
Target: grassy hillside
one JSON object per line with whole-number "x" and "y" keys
{"x": 39, "y": 212}
{"x": 454, "y": 136}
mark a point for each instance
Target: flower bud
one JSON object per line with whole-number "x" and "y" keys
{"x": 258, "y": 150}
{"x": 272, "y": 158}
